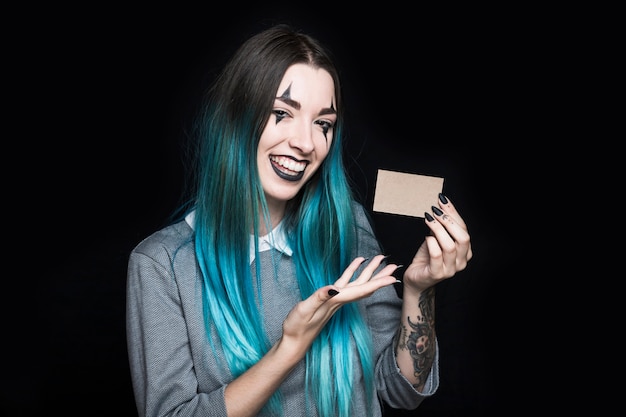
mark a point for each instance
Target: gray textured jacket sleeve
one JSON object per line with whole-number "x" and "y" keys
{"x": 162, "y": 364}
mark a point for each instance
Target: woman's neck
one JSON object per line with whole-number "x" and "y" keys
{"x": 277, "y": 212}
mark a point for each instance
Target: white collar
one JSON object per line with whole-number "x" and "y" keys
{"x": 275, "y": 239}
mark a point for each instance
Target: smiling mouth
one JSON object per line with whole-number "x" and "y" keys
{"x": 288, "y": 168}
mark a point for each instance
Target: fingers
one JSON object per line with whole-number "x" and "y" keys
{"x": 347, "y": 290}
{"x": 370, "y": 268}
{"x": 325, "y": 301}
{"x": 449, "y": 246}
{"x": 349, "y": 272}
{"x": 448, "y": 209}
{"x": 370, "y": 279}
{"x": 367, "y": 272}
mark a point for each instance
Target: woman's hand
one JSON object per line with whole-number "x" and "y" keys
{"x": 442, "y": 254}
{"x": 305, "y": 321}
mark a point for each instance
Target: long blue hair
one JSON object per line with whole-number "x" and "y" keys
{"x": 229, "y": 203}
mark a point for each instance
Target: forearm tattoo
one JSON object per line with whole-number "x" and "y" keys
{"x": 419, "y": 339}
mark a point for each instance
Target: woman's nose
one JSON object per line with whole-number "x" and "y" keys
{"x": 302, "y": 138}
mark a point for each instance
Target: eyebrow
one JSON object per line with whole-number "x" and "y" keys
{"x": 296, "y": 105}
{"x": 290, "y": 102}
{"x": 328, "y": 110}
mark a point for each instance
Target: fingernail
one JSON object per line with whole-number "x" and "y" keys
{"x": 332, "y": 292}
{"x": 437, "y": 211}
{"x": 429, "y": 217}
{"x": 443, "y": 198}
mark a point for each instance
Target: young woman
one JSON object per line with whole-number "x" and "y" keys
{"x": 271, "y": 296}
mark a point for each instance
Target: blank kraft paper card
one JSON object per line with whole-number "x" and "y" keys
{"x": 406, "y": 194}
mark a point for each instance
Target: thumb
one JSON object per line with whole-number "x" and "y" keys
{"x": 332, "y": 291}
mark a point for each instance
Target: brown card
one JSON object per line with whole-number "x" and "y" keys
{"x": 406, "y": 194}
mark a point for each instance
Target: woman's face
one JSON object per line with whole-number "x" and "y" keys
{"x": 299, "y": 132}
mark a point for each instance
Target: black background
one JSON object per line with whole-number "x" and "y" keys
{"x": 103, "y": 100}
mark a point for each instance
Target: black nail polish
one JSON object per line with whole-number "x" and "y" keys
{"x": 443, "y": 198}
{"x": 429, "y": 217}
{"x": 437, "y": 211}
{"x": 332, "y": 292}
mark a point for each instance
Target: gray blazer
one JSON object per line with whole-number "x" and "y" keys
{"x": 173, "y": 368}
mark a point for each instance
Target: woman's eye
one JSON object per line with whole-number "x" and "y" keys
{"x": 326, "y": 125}
{"x": 280, "y": 114}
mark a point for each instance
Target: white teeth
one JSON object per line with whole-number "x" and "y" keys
{"x": 290, "y": 164}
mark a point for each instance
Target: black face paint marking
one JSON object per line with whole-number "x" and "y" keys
{"x": 326, "y": 127}
{"x": 287, "y": 93}
{"x": 286, "y": 98}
